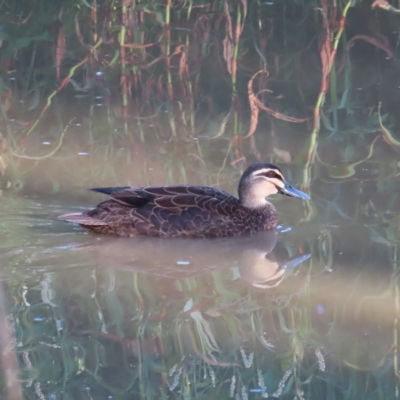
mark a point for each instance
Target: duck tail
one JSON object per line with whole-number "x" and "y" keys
{"x": 81, "y": 219}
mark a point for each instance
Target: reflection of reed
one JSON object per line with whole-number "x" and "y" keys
{"x": 185, "y": 313}
{"x": 7, "y": 353}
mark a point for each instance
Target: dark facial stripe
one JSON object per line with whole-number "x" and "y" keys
{"x": 269, "y": 173}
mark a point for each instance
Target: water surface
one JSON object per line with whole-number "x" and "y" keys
{"x": 310, "y": 308}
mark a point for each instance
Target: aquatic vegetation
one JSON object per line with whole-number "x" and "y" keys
{"x": 123, "y": 73}
{"x": 100, "y": 93}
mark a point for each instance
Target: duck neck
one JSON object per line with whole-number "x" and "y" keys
{"x": 253, "y": 195}
{"x": 247, "y": 200}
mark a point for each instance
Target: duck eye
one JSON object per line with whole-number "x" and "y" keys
{"x": 272, "y": 174}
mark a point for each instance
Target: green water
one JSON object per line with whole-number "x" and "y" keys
{"x": 310, "y": 310}
{"x": 307, "y": 312}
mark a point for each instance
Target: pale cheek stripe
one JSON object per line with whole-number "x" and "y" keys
{"x": 278, "y": 183}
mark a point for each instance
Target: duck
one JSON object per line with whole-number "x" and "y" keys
{"x": 190, "y": 211}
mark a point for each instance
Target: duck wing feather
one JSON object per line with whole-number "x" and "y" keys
{"x": 171, "y": 210}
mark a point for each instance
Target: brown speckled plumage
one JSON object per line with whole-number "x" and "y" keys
{"x": 180, "y": 211}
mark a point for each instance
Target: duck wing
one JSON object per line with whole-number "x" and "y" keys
{"x": 125, "y": 195}
{"x": 171, "y": 210}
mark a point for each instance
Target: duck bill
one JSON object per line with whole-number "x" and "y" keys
{"x": 289, "y": 190}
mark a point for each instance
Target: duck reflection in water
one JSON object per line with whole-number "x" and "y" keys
{"x": 250, "y": 258}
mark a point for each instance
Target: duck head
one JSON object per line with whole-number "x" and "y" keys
{"x": 261, "y": 180}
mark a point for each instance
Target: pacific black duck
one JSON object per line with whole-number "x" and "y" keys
{"x": 190, "y": 211}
